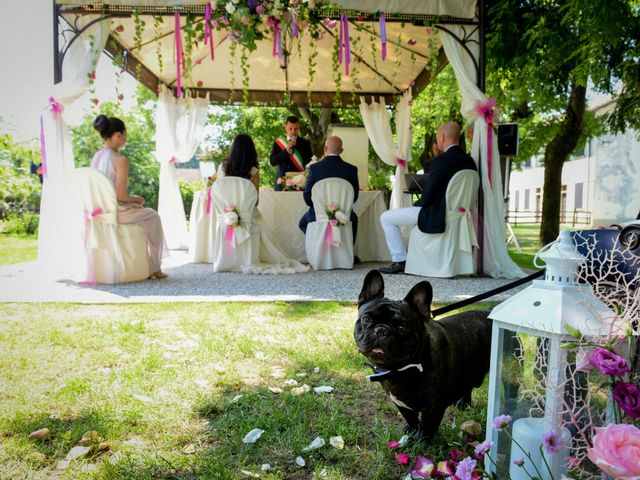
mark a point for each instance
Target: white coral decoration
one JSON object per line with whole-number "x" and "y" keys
{"x": 231, "y": 219}
{"x": 341, "y": 217}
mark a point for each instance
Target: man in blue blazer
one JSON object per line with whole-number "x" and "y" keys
{"x": 430, "y": 212}
{"x": 331, "y": 166}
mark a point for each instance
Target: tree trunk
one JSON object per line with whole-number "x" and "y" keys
{"x": 556, "y": 153}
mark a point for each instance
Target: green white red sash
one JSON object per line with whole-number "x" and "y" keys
{"x": 294, "y": 156}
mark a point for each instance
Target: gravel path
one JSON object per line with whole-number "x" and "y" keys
{"x": 188, "y": 282}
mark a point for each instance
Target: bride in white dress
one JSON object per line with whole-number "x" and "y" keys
{"x": 130, "y": 207}
{"x": 243, "y": 162}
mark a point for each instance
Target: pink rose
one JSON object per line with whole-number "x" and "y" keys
{"x": 628, "y": 397}
{"x": 608, "y": 362}
{"x": 260, "y": 10}
{"x": 616, "y": 451}
{"x": 332, "y": 206}
{"x": 289, "y": 182}
{"x": 229, "y": 208}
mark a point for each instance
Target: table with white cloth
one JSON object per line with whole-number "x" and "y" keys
{"x": 282, "y": 212}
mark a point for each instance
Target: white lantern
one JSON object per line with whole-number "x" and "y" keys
{"x": 529, "y": 367}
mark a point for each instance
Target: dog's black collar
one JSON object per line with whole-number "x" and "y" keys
{"x": 379, "y": 374}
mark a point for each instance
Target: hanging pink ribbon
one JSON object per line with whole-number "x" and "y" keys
{"x": 344, "y": 54}
{"x": 43, "y": 150}
{"x": 56, "y": 110}
{"x": 383, "y": 35}
{"x": 294, "y": 25}
{"x": 88, "y": 218}
{"x": 489, "y": 114}
{"x": 280, "y": 52}
{"x": 329, "y": 234}
{"x": 208, "y": 207}
{"x": 173, "y": 160}
{"x": 208, "y": 32}
{"x": 179, "y": 55}
{"x": 228, "y": 239}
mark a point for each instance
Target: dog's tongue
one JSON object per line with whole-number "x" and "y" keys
{"x": 378, "y": 350}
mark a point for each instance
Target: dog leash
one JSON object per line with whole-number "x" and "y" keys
{"x": 490, "y": 293}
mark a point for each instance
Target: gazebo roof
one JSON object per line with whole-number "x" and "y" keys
{"x": 414, "y": 51}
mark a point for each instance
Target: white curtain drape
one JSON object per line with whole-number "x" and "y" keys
{"x": 377, "y": 123}
{"x": 58, "y": 233}
{"x": 497, "y": 262}
{"x": 179, "y": 130}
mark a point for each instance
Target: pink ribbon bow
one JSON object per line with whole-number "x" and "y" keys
{"x": 489, "y": 114}
{"x": 56, "y": 108}
{"x": 402, "y": 163}
{"x": 329, "y": 234}
{"x": 228, "y": 239}
{"x": 88, "y": 217}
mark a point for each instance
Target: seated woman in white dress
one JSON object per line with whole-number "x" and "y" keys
{"x": 130, "y": 207}
{"x": 243, "y": 162}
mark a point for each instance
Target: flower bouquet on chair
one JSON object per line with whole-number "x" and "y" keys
{"x": 293, "y": 181}
{"x": 337, "y": 218}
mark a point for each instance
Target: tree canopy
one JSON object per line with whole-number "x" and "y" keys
{"x": 544, "y": 56}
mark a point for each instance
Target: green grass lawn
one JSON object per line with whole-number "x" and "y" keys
{"x": 18, "y": 248}
{"x": 172, "y": 389}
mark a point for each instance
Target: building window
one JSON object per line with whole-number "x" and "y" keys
{"x": 578, "y": 198}
{"x": 516, "y": 205}
{"x": 563, "y": 203}
{"x": 538, "y": 204}
{"x": 526, "y": 199}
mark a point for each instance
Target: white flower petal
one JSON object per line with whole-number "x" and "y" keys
{"x": 253, "y": 436}
{"x": 337, "y": 442}
{"x": 323, "y": 389}
{"x": 300, "y": 461}
{"x": 317, "y": 443}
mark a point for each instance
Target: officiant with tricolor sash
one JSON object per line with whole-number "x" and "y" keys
{"x": 290, "y": 154}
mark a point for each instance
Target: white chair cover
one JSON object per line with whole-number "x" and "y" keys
{"x": 450, "y": 253}
{"x": 325, "y": 251}
{"x": 237, "y": 246}
{"x": 113, "y": 253}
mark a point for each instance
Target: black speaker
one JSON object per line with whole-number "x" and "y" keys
{"x": 508, "y": 139}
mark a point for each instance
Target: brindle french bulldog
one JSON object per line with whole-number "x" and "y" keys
{"x": 424, "y": 365}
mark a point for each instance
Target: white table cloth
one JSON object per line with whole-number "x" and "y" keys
{"x": 282, "y": 212}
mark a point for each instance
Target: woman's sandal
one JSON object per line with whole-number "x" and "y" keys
{"x": 157, "y": 275}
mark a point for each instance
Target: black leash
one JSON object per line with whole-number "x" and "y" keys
{"x": 490, "y": 293}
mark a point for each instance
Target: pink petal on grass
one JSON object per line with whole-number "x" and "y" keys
{"x": 402, "y": 458}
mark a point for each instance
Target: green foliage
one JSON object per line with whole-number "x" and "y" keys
{"x": 19, "y": 189}
{"x": 264, "y": 124}
{"x": 552, "y": 46}
{"x": 186, "y": 191}
{"x": 439, "y": 102}
{"x": 144, "y": 169}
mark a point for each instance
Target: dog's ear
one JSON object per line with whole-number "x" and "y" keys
{"x": 419, "y": 299}
{"x": 372, "y": 287}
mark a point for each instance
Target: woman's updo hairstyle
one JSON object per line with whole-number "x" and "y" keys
{"x": 106, "y": 126}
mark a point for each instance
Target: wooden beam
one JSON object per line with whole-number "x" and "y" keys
{"x": 272, "y": 98}
{"x": 427, "y": 75}
{"x": 114, "y": 48}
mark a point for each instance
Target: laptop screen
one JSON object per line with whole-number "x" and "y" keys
{"x": 415, "y": 182}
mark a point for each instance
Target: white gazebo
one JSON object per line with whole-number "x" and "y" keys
{"x": 371, "y": 53}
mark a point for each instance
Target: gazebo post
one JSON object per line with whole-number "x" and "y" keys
{"x": 57, "y": 65}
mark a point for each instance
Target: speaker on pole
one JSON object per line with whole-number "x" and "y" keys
{"x": 508, "y": 139}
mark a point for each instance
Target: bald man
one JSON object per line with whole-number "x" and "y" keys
{"x": 331, "y": 166}
{"x": 429, "y": 213}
